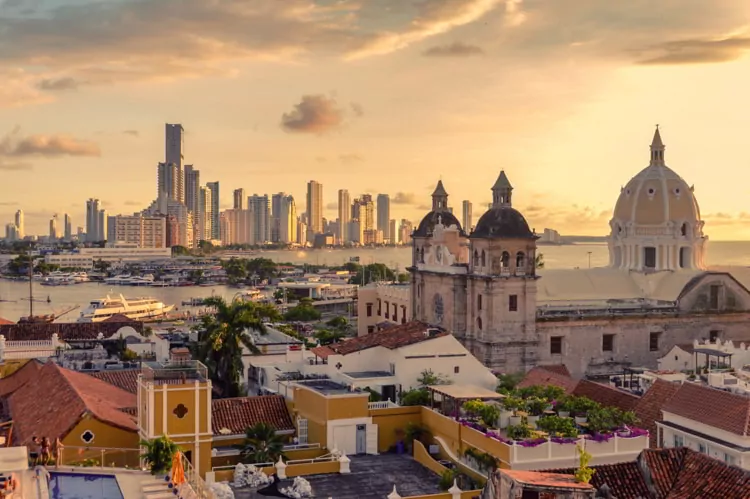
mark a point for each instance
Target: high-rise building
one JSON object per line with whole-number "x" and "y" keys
{"x": 301, "y": 233}
{"x": 204, "y": 223}
{"x": 53, "y": 234}
{"x": 173, "y": 231}
{"x": 276, "y": 200}
{"x": 142, "y": 231}
{"x": 101, "y": 225}
{"x": 20, "y": 228}
{"x": 406, "y": 230}
{"x": 169, "y": 180}
{"x": 67, "y": 228}
{"x": 192, "y": 187}
{"x": 314, "y": 209}
{"x": 344, "y": 217}
{"x": 239, "y": 199}
{"x": 356, "y": 231}
{"x": 92, "y": 221}
{"x": 394, "y": 232}
{"x": 11, "y": 232}
{"x": 237, "y": 227}
{"x": 175, "y": 144}
{"x": 187, "y": 232}
{"x": 467, "y": 219}
{"x": 384, "y": 216}
{"x": 215, "y": 228}
{"x": 287, "y": 220}
{"x": 260, "y": 209}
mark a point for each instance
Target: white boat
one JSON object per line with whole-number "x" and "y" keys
{"x": 118, "y": 279}
{"x": 133, "y": 308}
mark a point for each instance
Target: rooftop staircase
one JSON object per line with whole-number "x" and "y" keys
{"x": 155, "y": 487}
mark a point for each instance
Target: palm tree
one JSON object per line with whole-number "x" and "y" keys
{"x": 158, "y": 454}
{"x": 262, "y": 444}
{"x": 222, "y": 336}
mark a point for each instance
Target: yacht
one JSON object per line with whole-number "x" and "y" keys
{"x": 132, "y": 308}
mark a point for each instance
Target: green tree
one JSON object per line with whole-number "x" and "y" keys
{"x": 235, "y": 269}
{"x": 404, "y": 278}
{"x": 222, "y": 335}
{"x": 158, "y": 454}
{"x": 304, "y": 311}
{"x": 205, "y": 247}
{"x": 180, "y": 251}
{"x": 539, "y": 261}
{"x": 102, "y": 266}
{"x": 373, "y": 272}
{"x": 429, "y": 378}
{"x": 327, "y": 336}
{"x": 416, "y": 396}
{"x": 262, "y": 444}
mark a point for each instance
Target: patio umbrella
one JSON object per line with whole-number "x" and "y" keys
{"x": 178, "y": 472}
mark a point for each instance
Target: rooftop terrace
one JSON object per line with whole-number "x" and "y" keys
{"x": 325, "y": 386}
{"x": 166, "y": 372}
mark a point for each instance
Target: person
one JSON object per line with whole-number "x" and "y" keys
{"x": 57, "y": 450}
{"x": 46, "y": 450}
{"x": 34, "y": 450}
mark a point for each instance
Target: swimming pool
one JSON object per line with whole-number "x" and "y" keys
{"x": 82, "y": 486}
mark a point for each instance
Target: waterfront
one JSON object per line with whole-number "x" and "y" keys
{"x": 63, "y": 297}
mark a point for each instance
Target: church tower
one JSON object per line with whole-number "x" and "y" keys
{"x": 501, "y": 286}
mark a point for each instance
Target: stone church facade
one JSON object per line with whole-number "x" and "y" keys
{"x": 484, "y": 285}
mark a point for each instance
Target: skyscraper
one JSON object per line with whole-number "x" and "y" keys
{"x": 276, "y": 201}
{"x": 92, "y": 220}
{"x": 260, "y": 212}
{"x": 287, "y": 220}
{"x": 175, "y": 144}
{"x": 467, "y": 219}
{"x": 101, "y": 225}
{"x": 68, "y": 228}
{"x": 169, "y": 181}
{"x": 345, "y": 204}
{"x": 215, "y": 227}
{"x": 20, "y": 228}
{"x": 192, "y": 187}
{"x": 204, "y": 223}
{"x": 314, "y": 209}
{"x": 239, "y": 199}
{"x": 53, "y": 234}
{"x": 384, "y": 216}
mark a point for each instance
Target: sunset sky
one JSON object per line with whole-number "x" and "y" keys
{"x": 378, "y": 96}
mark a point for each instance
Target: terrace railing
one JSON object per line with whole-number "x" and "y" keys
{"x": 99, "y": 457}
{"x": 382, "y": 404}
{"x": 196, "y": 483}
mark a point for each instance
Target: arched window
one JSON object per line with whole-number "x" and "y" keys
{"x": 479, "y": 302}
{"x": 520, "y": 260}
{"x": 476, "y": 258}
{"x": 684, "y": 229}
{"x": 506, "y": 259}
{"x": 479, "y": 323}
{"x": 483, "y": 260}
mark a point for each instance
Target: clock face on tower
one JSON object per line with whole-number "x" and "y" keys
{"x": 437, "y": 308}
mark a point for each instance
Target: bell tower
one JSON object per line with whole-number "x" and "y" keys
{"x": 440, "y": 198}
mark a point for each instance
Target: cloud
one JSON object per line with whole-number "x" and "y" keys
{"x": 726, "y": 219}
{"x": 59, "y": 84}
{"x": 572, "y": 219}
{"x": 696, "y": 51}
{"x": 404, "y": 198}
{"x": 132, "y": 133}
{"x": 350, "y": 159}
{"x": 456, "y": 49}
{"x": 14, "y": 145}
{"x": 357, "y": 109}
{"x": 314, "y": 114}
{"x": 15, "y": 167}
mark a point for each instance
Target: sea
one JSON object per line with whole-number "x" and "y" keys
{"x": 56, "y": 299}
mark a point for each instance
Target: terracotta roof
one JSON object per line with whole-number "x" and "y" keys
{"x": 713, "y": 407}
{"x": 675, "y": 473}
{"x": 65, "y": 330}
{"x": 119, "y": 318}
{"x": 541, "y": 376}
{"x": 58, "y": 398}
{"x": 125, "y": 379}
{"x": 5, "y": 321}
{"x": 606, "y": 395}
{"x": 238, "y": 414}
{"x": 27, "y": 372}
{"x": 648, "y": 409}
{"x": 392, "y": 338}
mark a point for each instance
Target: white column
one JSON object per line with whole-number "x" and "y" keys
{"x": 281, "y": 469}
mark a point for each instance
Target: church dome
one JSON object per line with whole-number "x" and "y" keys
{"x": 427, "y": 225}
{"x": 505, "y": 222}
{"x": 657, "y": 195}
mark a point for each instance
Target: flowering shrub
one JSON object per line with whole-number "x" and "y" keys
{"x": 600, "y": 437}
{"x": 632, "y": 433}
{"x": 564, "y": 440}
{"x": 532, "y": 442}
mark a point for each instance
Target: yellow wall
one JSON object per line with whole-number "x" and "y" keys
{"x": 425, "y": 459}
{"x": 391, "y": 420}
{"x": 319, "y": 409}
{"x": 292, "y": 470}
{"x": 348, "y": 407}
{"x": 107, "y": 438}
{"x": 291, "y": 455}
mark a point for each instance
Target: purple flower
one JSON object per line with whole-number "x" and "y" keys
{"x": 632, "y": 433}
{"x": 532, "y": 442}
{"x": 564, "y": 440}
{"x": 600, "y": 437}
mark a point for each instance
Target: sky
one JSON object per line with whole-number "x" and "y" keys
{"x": 376, "y": 96}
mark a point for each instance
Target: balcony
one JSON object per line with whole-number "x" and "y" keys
{"x": 383, "y": 404}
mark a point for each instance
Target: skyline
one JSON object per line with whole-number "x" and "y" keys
{"x": 376, "y": 97}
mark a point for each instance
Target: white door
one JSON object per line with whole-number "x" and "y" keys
{"x": 372, "y": 439}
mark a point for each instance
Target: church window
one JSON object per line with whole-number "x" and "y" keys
{"x": 369, "y": 310}
{"x": 505, "y": 259}
{"x": 456, "y": 369}
{"x": 651, "y": 191}
{"x": 476, "y": 258}
{"x": 483, "y": 259}
{"x": 556, "y": 345}
{"x": 520, "y": 260}
{"x": 653, "y": 341}
{"x": 87, "y": 436}
{"x": 479, "y": 323}
{"x": 380, "y": 308}
{"x": 608, "y": 343}
{"x": 387, "y": 310}
{"x": 513, "y": 303}
{"x": 649, "y": 257}
{"x": 479, "y": 302}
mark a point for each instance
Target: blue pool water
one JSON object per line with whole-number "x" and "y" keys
{"x": 81, "y": 486}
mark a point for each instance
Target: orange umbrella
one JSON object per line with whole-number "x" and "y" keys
{"x": 178, "y": 472}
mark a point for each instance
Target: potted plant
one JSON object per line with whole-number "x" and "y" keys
{"x": 536, "y": 407}
{"x": 556, "y": 426}
{"x": 158, "y": 454}
{"x": 513, "y": 404}
{"x": 472, "y": 408}
{"x": 489, "y": 413}
{"x": 564, "y": 406}
{"x": 581, "y": 408}
{"x": 518, "y": 432}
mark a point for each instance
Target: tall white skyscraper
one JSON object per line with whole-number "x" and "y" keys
{"x": 169, "y": 180}
{"x": 53, "y": 233}
{"x": 101, "y": 225}
{"x": 92, "y": 220}
{"x": 384, "y": 216}
{"x": 260, "y": 212}
{"x": 345, "y": 211}
{"x": 287, "y": 220}
{"x": 204, "y": 224}
{"x": 215, "y": 227}
{"x": 20, "y": 228}
{"x": 67, "y": 228}
{"x": 467, "y": 219}
{"x": 314, "y": 209}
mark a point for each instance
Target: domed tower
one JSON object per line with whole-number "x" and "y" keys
{"x": 439, "y": 215}
{"x": 502, "y": 285}
{"x": 656, "y": 223}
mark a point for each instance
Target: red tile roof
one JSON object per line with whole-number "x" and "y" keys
{"x": 675, "y": 473}
{"x": 392, "y": 338}
{"x": 713, "y": 407}
{"x": 648, "y": 409}
{"x": 541, "y": 376}
{"x": 5, "y": 321}
{"x": 65, "y": 331}
{"x": 127, "y": 379}
{"x": 53, "y": 403}
{"x": 27, "y": 372}
{"x": 606, "y": 395}
{"x": 238, "y": 414}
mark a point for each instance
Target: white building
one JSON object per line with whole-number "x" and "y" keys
{"x": 379, "y": 304}
{"x": 260, "y": 209}
{"x": 141, "y": 231}
{"x": 711, "y": 353}
{"x": 710, "y": 421}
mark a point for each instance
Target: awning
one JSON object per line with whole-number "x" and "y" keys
{"x": 465, "y": 392}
